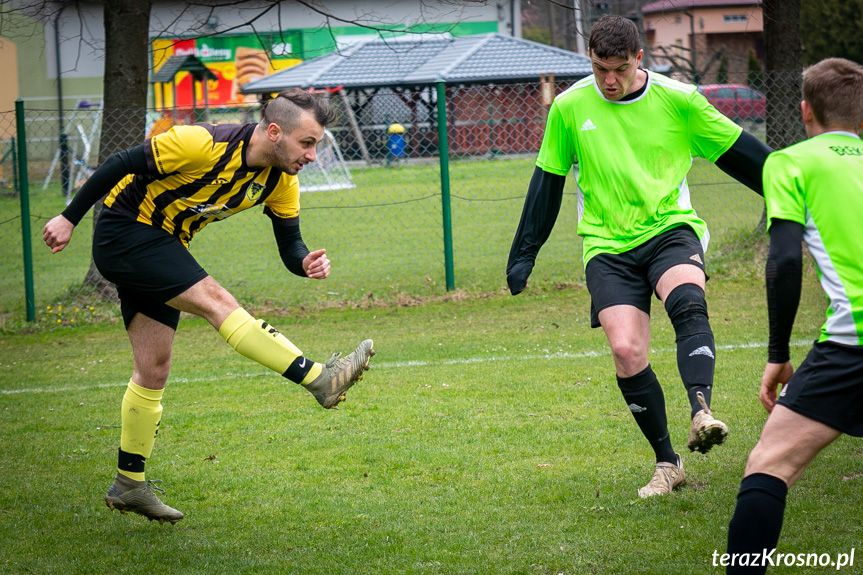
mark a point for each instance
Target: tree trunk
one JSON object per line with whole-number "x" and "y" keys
{"x": 782, "y": 82}
{"x": 127, "y": 27}
{"x": 784, "y": 65}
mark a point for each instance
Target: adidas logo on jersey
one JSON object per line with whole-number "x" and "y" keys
{"x": 635, "y": 408}
{"x": 703, "y": 350}
{"x": 696, "y": 258}
{"x": 587, "y": 125}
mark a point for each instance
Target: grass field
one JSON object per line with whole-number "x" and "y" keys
{"x": 489, "y": 437}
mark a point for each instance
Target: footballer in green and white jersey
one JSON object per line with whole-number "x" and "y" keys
{"x": 633, "y": 157}
{"x": 819, "y": 183}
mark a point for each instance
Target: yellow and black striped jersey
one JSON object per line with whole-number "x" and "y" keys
{"x": 198, "y": 174}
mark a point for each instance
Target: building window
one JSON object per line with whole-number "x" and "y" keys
{"x": 729, "y": 18}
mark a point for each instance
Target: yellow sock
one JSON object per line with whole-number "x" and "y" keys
{"x": 139, "y": 419}
{"x": 261, "y": 342}
{"x": 316, "y": 370}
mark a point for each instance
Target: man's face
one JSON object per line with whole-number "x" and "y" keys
{"x": 616, "y": 76}
{"x": 293, "y": 150}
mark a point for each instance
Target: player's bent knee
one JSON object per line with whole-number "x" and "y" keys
{"x": 687, "y": 309}
{"x": 628, "y": 352}
{"x": 770, "y": 461}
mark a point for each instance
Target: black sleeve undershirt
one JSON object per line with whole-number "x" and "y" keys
{"x": 106, "y": 176}
{"x": 744, "y": 161}
{"x": 783, "y": 275}
{"x": 292, "y": 248}
{"x": 541, "y": 207}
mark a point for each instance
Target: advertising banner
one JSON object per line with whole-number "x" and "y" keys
{"x": 235, "y": 60}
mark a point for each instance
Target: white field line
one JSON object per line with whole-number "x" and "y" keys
{"x": 394, "y": 365}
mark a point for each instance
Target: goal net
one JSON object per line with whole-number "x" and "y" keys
{"x": 329, "y": 171}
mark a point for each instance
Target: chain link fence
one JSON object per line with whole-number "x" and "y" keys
{"x": 375, "y": 203}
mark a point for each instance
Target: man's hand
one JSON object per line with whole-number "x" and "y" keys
{"x": 516, "y": 278}
{"x": 57, "y": 233}
{"x": 775, "y": 374}
{"x": 317, "y": 264}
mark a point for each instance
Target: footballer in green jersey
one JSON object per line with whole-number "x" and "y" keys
{"x": 632, "y": 179}
{"x": 817, "y": 184}
{"x": 814, "y": 193}
{"x": 159, "y": 194}
{"x": 633, "y": 134}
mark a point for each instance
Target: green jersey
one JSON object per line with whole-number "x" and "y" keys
{"x": 819, "y": 183}
{"x": 633, "y": 157}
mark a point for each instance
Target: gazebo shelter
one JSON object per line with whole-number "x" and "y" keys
{"x": 497, "y": 88}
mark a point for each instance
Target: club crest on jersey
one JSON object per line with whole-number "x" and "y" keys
{"x": 254, "y": 191}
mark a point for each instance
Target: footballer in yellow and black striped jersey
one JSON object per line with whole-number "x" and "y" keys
{"x": 198, "y": 174}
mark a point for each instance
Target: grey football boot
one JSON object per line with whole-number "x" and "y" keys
{"x": 139, "y": 497}
{"x": 339, "y": 374}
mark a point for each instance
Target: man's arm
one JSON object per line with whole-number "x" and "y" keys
{"x": 783, "y": 277}
{"x": 541, "y": 207}
{"x": 58, "y": 231}
{"x": 744, "y": 161}
{"x": 106, "y": 176}
{"x": 292, "y": 248}
{"x": 295, "y": 255}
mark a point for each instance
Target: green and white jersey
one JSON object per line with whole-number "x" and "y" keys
{"x": 633, "y": 157}
{"x": 819, "y": 183}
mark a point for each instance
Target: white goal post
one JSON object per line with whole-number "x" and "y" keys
{"x": 329, "y": 171}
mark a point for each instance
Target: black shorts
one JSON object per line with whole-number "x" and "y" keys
{"x": 630, "y": 278}
{"x": 828, "y": 387}
{"x": 148, "y": 265}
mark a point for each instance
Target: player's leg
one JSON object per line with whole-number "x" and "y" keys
{"x": 788, "y": 444}
{"x": 620, "y": 303}
{"x": 822, "y": 400}
{"x": 134, "y": 256}
{"x": 141, "y": 414}
{"x": 142, "y": 409}
{"x": 261, "y": 342}
{"x": 678, "y": 263}
{"x": 628, "y": 331}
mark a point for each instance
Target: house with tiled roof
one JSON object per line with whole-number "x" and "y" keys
{"x": 708, "y": 31}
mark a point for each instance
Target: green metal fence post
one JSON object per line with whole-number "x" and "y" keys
{"x": 443, "y": 151}
{"x": 24, "y": 195}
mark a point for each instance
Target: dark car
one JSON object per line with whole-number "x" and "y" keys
{"x": 736, "y": 101}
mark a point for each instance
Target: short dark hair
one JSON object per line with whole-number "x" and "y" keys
{"x": 833, "y": 87}
{"x": 614, "y": 36}
{"x": 286, "y": 107}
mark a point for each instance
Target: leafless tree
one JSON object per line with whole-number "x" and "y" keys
{"x": 680, "y": 60}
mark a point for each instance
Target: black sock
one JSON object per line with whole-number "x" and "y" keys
{"x": 131, "y": 462}
{"x": 695, "y": 361}
{"x": 644, "y": 397}
{"x": 696, "y": 350}
{"x": 757, "y": 520}
{"x": 298, "y": 369}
